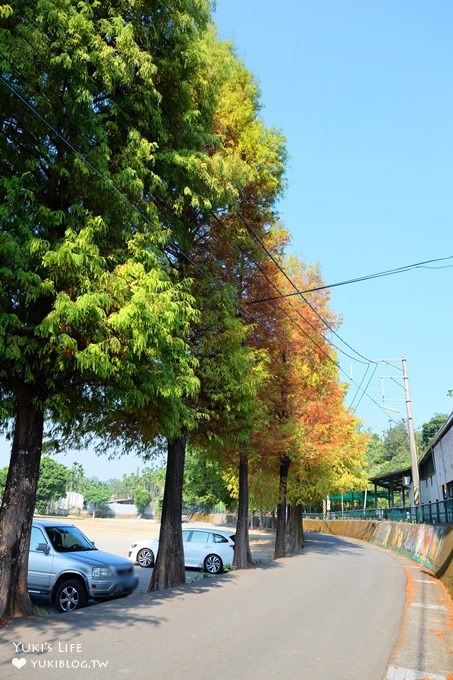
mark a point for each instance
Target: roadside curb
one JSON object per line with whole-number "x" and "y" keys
{"x": 425, "y": 648}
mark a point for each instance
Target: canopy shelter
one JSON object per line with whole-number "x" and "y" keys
{"x": 358, "y": 498}
{"x": 394, "y": 482}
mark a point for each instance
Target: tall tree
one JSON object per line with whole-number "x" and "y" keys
{"x": 52, "y": 483}
{"x": 91, "y": 314}
{"x": 76, "y": 478}
{"x": 243, "y": 157}
{"x": 142, "y": 499}
{"x": 303, "y": 365}
{"x": 256, "y": 156}
{"x": 391, "y": 452}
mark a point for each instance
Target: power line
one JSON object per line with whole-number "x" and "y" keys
{"x": 125, "y": 198}
{"x": 364, "y": 391}
{"x": 369, "y": 361}
{"x": 122, "y": 195}
{"x": 389, "y": 272}
{"x": 351, "y": 405}
{"x": 298, "y": 312}
{"x": 97, "y": 172}
{"x": 300, "y": 293}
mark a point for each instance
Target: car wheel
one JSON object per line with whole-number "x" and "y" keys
{"x": 70, "y": 595}
{"x": 213, "y": 564}
{"x": 145, "y": 557}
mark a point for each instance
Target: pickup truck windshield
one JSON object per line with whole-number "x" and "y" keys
{"x": 68, "y": 539}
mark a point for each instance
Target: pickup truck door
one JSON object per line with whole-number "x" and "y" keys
{"x": 40, "y": 563}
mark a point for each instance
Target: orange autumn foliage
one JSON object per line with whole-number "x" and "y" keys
{"x": 307, "y": 419}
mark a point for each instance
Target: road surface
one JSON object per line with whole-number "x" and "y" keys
{"x": 334, "y": 612}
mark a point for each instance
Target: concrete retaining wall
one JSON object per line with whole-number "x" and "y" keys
{"x": 429, "y": 545}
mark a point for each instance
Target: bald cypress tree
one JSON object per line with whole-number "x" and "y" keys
{"x": 93, "y": 316}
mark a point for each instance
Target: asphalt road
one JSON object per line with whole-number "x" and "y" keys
{"x": 333, "y": 612}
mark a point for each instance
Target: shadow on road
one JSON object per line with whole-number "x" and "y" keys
{"x": 141, "y": 606}
{"x": 326, "y": 543}
{"x": 138, "y": 608}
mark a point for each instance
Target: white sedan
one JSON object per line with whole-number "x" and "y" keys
{"x": 208, "y": 549}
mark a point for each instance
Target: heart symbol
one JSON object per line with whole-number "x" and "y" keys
{"x": 19, "y": 662}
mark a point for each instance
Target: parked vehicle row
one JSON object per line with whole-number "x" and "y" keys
{"x": 67, "y": 569}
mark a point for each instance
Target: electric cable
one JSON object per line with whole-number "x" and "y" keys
{"x": 92, "y": 167}
{"x": 365, "y": 390}
{"x": 351, "y": 405}
{"x": 332, "y": 330}
{"x": 177, "y": 247}
{"x": 389, "y": 272}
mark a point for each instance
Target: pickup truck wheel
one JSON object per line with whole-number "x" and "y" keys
{"x": 70, "y": 595}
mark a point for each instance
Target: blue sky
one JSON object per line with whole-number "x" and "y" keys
{"x": 362, "y": 92}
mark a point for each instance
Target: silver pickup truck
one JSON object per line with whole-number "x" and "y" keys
{"x": 66, "y": 568}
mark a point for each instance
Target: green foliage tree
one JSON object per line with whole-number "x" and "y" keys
{"x": 391, "y": 452}
{"x": 92, "y": 315}
{"x": 396, "y": 446}
{"x": 241, "y": 155}
{"x": 96, "y": 494}
{"x": 205, "y": 483}
{"x": 252, "y": 161}
{"x": 125, "y": 487}
{"x": 375, "y": 454}
{"x": 149, "y": 480}
{"x": 52, "y": 483}
{"x": 76, "y": 478}
{"x": 430, "y": 429}
{"x": 142, "y": 498}
{"x": 153, "y": 480}
{"x": 3, "y": 476}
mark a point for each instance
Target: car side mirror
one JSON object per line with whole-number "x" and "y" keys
{"x": 43, "y": 547}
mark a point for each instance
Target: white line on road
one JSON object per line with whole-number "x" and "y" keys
{"x": 400, "y": 673}
{"x": 421, "y": 605}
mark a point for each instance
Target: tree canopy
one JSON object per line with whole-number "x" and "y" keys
{"x": 139, "y": 235}
{"x": 92, "y": 311}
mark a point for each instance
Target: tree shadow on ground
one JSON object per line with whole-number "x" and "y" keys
{"x": 327, "y": 543}
{"x": 143, "y": 607}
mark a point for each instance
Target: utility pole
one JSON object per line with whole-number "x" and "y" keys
{"x": 412, "y": 443}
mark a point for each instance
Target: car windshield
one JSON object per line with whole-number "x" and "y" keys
{"x": 68, "y": 539}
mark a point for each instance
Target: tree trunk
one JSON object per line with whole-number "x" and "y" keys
{"x": 169, "y": 570}
{"x": 18, "y": 505}
{"x": 280, "y": 535}
{"x": 297, "y": 531}
{"x": 301, "y": 525}
{"x": 242, "y": 553}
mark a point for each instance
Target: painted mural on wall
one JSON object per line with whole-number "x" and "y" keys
{"x": 420, "y": 542}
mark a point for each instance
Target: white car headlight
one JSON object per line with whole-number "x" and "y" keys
{"x": 101, "y": 572}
